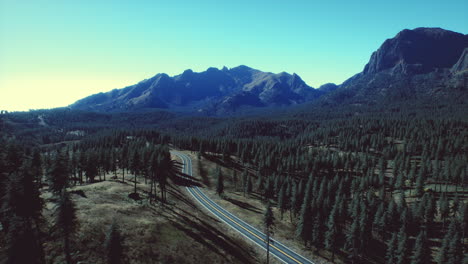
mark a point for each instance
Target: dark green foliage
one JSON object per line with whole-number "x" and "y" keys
{"x": 66, "y": 222}
{"x": 304, "y": 225}
{"x": 219, "y": 182}
{"x": 422, "y": 251}
{"x": 451, "y": 251}
{"x": 23, "y": 243}
{"x": 402, "y": 252}
{"x": 22, "y": 220}
{"x": 60, "y": 173}
{"x": 248, "y": 187}
{"x": 135, "y": 166}
{"x": 391, "y": 255}
{"x": 282, "y": 200}
{"x": 359, "y": 162}
{"x": 268, "y": 224}
{"x": 332, "y": 233}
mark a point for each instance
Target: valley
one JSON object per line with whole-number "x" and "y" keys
{"x": 202, "y": 167}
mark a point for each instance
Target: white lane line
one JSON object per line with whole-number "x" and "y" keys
{"x": 188, "y": 160}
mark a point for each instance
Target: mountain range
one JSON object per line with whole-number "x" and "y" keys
{"x": 211, "y": 91}
{"x": 418, "y": 64}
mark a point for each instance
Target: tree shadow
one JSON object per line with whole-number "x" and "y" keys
{"x": 243, "y": 205}
{"x": 209, "y": 236}
{"x": 228, "y": 162}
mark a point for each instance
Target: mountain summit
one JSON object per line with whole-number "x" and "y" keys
{"x": 420, "y": 50}
{"x": 213, "y": 91}
{"x": 418, "y": 65}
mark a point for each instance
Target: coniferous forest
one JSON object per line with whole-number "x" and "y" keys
{"x": 382, "y": 187}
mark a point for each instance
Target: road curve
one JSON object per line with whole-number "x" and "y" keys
{"x": 277, "y": 249}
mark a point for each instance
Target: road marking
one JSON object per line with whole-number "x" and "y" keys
{"x": 261, "y": 239}
{"x": 185, "y": 159}
{"x": 245, "y": 223}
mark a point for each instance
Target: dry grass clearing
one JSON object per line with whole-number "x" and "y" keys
{"x": 176, "y": 233}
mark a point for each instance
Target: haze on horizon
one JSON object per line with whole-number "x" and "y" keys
{"x": 53, "y": 53}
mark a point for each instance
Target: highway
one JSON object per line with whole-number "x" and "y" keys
{"x": 277, "y": 249}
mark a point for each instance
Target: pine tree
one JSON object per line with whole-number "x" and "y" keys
{"x": 66, "y": 222}
{"x": 391, "y": 256}
{"x": 23, "y": 244}
{"x": 234, "y": 179}
{"x": 113, "y": 245}
{"x": 455, "y": 247}
{"x": 422, "y": 251}
{"x": 444, "y": 209}
{"x": 443, "y": 255}
{"x": 331, "y": 234}
{"x": 22, "y": 218}
{"x": 282, "y": 200}
{"x": 91, "y": 167}
{"x": 317, "y": 232}
{"x": 244, "y": 182}
{"x": 402, "y": 252}
{"x": 268, "y": 224}
{"x": 59, "y": 175}
{"x": 135, "y": 166}
{"x": 248, "y": 186}
{"x": 304, "y": 226}
{"x": 36, "y": 167}
{"x": 219, "y": 182}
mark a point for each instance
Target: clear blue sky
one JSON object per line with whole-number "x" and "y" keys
{"x": 55, "y": 52}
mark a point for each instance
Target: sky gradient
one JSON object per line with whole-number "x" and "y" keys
{"x": 53, "y": 53}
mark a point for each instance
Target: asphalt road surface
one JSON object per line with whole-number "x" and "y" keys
{"x": 277, "y": 249}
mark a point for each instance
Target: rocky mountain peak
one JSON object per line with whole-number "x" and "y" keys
{"x": 420, "y": 50}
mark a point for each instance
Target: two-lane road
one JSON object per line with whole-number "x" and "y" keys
{"x": 277, "y": 249}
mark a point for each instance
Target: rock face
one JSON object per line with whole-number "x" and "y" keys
{"x": 462, "y": 63}
{"x": 419, "y": 64}
{"x": 211, "y": 91}
{"x": 418, "y": 51}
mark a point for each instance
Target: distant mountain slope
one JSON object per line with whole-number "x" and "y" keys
{"x": 213, "y": 91}
{"x": 419, "y": 64}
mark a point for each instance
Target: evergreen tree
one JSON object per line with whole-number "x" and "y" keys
{"x": 234, "y": 179}
{"x": 22, "y": 218}
{"x": 331, "y": 234}
{"x": 304, "y": 226}
{"x": 91, "y": 168}
{"x": 455, "y": 247}
{"x": 444, "y": 209}
{"x": 402, "y": 252}
{"x": 422, "y": 251}
{"x": 391, "y": 255}
{"x": 268, "y": 224}
{"x": 36, "y": 167}
{"x": 282, "y": 200}
{"x": 59, "y": 175}
{"x": 443, "y": 255}
{"x": 23, "y": 244}
{"x": 135, "y": 166}
{"x": 244, "y": 181}
{"x": 66, "y": 222}
{"x": 219, "y": 182}
{"x": 248, "y": 186}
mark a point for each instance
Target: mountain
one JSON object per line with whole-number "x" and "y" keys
{"x": 420, "y": 65}
{"x": 213, "y": 91}
{"x": 416, "y": 65}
